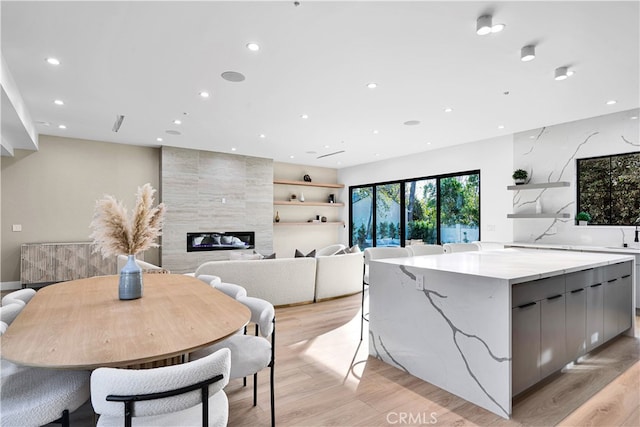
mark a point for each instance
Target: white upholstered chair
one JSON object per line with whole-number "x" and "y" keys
{"x": 489, "y": 246}
{"x": 330, "y": 250}
{"x": 417, "y": 250}
{"x": 450, "y": 248}
{"x": 229, "y": 289}
{"x": 23, "y": 295}
{"x": 372, "y": 254}
{"x": 250, "y": 354}
{"x": 10, "y": 311}
{"x": 38, "y": 396}
{"x": 189, "y": 394}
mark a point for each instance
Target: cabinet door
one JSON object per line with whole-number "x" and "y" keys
{"x": 553, "y": 344}
{"x": 611, "y": 308}
{"x": 595, "y": 316}
{"x": 525, "y": 346}
{"x": 576, "y": 304}
{"x": 625, "y": 309}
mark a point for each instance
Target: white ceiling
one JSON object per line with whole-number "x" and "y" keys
{"x": 149, "y": 60}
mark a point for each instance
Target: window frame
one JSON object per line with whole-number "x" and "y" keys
{"x": 403, "y": 183}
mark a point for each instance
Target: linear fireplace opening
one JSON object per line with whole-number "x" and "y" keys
{"x": 220, "y": 240}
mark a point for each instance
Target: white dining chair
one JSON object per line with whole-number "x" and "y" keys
{"x": 23, "y": 295}
{"x": 417, "y": 250}
{"x": 188, "y": 394}
{"x": 450, "y": 248}
{"x": 229, "y": 289}
{"x": 372, "y": 254}
{"x": 251, "y": 353}
{"x": 9, "y": 312}
{"x": 39, "y": 396}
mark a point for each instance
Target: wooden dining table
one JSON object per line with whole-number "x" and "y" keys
{"x": 82, "y": 324}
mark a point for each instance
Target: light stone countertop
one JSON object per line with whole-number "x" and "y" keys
{"x": 513, "y": 265}
{"x": 577, "y": 247}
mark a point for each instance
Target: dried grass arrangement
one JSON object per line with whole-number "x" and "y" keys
{"x": 115, "y": 233}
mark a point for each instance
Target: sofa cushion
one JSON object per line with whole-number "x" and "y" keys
{"x": 311, "y": 254}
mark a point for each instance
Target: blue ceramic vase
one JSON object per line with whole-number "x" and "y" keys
{"x": 130, "y": 286}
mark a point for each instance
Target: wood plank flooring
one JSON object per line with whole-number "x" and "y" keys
{"x": 324, "y": 377}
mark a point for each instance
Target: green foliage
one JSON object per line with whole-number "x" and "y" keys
{"x": 424, "y": 230}
{"x": 583, "y": 216}
{"x": 383, "y": 230}
{"x": 520, "y": 174}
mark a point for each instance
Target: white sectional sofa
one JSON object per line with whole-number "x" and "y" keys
{"x": 286, "y": 281}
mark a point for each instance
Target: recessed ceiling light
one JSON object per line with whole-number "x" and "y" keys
{"x": 52, "y": 61}
{"x": 58, "y": 102}
{"x": 262, "y": 135}
{"x": 232, "y": 76}
{"x": 159, "y": 139}
{"x": 428, "y": 143}
{"x": 177, "y": 122}
{"x": 62, "y": 127}
{"x": 204, "y": 94}
{"x": 528, "y": 53}
{"x": 412, "y": 122}
{"x": 327, "y": 146}
{"x": 611, "y": 102}
{"x": 375, "y": 132}
{"x": 304, "y": 116}
{"x": 500, "y": 126}
{"x": 562, "y": 73}
{"x": 253, "y": 47}
{"x": 377, "y": 154}
{"x": 448, "y": 110}
{"x": 291, "y": 157}
{"x": 233, "y": 148}
{"x": 372, "y": 85}
{"x": 634, "y": 117}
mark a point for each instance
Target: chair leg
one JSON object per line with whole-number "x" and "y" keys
{"x": 273, "y": 399}
{"x": 255, "y": 389}
{"x": 63, "y": 420}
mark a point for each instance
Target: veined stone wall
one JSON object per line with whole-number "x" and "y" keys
{"x": 209, "y": 191}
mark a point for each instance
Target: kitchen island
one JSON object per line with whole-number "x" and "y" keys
{"x": 488, "y": 325}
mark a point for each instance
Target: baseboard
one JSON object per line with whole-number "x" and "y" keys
{"x": 10, "y": 286}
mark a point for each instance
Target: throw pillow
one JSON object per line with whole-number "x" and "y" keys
{"x": 342, "y": 252}
{"x": 354, "y": 249}
{"x": 311, "y": 254}
{"x": 272, "y": 256}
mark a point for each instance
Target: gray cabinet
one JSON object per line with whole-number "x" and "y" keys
{"x": 595, "y": 316}
{"x": 617, "y": 308}
{"x": 576, "y": 321}
{"x": 525, "y": 346}
{"x": 553, "y": 347}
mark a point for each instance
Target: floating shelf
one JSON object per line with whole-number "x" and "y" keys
{"x": 307, "y": 184}
{"x": 279, "y": 224}
{"x": 558, "y": 184}
{"x": 287, "y": 203}
{"x": 540, "y": 215}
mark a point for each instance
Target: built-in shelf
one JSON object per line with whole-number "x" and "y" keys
{"x": 540, "y": 215}
{"x": 298, "y": 203}
{"x": 309, "y": 223}
{"x": 540, "y": 185}
{"x": 307, "y": 184}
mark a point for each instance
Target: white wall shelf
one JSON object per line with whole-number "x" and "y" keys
{"x": 306, "y": 184}
{"x": 558, "y": 184}
{"x": 334, "y": 223}
{"x": 298, "y": 203}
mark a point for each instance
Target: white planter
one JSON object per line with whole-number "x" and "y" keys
{"x": 583, "y": 223}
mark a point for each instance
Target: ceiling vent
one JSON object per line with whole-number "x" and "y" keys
{"x": 330, "y": 154}
{"x": 118, "y": 123}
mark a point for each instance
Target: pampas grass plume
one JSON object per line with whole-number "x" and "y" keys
{"x": 115, "y": 233}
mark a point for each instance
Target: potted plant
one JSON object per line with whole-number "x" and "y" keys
{"x": 583, "y": 218}
{"x": 520, "y": 176}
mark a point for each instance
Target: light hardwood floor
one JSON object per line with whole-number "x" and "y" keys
{"x": 324, "y": 377}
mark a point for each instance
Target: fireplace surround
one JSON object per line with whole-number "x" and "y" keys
{"x": 220, "y": 240}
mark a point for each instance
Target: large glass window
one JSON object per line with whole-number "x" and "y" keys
{"x": 421, "y": 211}
{"x": 460, "y": 209}
{"x": 362, "y": 216}
{"x": 609, "y": 188}
{"x": 432, "y": 210}
{"x": 388, "y": 215}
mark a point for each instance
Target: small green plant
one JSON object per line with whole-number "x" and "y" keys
{"x": 583, "y": 216}
{"x": 520, "y": 175}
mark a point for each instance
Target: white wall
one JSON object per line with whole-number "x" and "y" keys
{"x": 549, "y": 154}
{"x": 493, "y": 157}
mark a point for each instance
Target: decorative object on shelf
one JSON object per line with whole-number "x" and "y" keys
{"x": 301, "y": 196}
{"x": 583, "y": 218}
{"x": 323, "y": 219}
{"x": 538, "y": 206}
{"x": 332, "y": 198}
{"x": 520, "y": 176}
{"x": 293, "y": 198}
{"x": 277, "y": 218}
{"x": 115, "y": 233}
{"x": 307, "y": 178}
